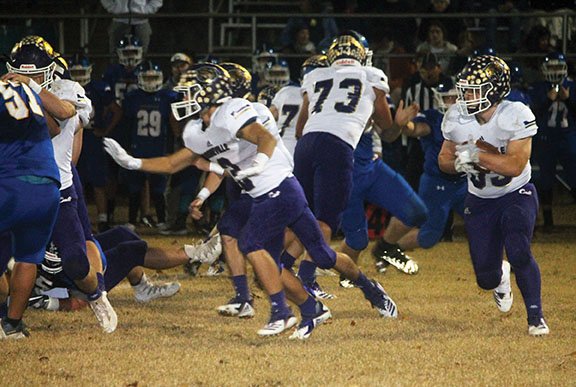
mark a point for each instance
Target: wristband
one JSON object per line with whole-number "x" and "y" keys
{"x": 203, "y": 194}
{"x": 34, "y": 86}
{"x": 137, "y": 164}
{"x": 216, "y": 168}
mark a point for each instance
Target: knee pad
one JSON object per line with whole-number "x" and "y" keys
{"x": 246, "y": 247}
{"x": 489, "y": 280}
{"x": 75, "y": 264}
{"x": 429, "y": 238}
{"x": 417, "y": 215}
{"x": 357, "y": 240}
{"x": 322, "y": 255}
{"x": 134, "y": 252}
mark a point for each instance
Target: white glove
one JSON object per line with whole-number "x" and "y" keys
{"x": 257, "y": 167}
{"x": 119, "y": 155}
{"x": 464, "y": 163}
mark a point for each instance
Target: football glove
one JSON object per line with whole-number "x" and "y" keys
{"x": 119, "y": 155}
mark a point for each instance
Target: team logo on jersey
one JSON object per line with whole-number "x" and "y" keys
{"x": 523, "y": 191}
{"x": 467, "y": 211}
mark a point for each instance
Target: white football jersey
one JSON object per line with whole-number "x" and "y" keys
{"x": 63, "y": 143}
{"x": 288, "y": 101}
{"x": 511, "y": 121}
{"x": 218, "y": 143}
{"x": 342, "y": 100}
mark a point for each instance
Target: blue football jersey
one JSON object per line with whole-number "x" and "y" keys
{"x": 147, "y": 117}
{"x": 432, "y": 143}
{"x": 553, "y": 115}
{"x": 101, "y": 95}
{"x": 25, "y": 146}
{"x": 121, "y": 80}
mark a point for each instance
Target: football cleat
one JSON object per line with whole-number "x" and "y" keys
{"x": 276, "y": 326}
{"x": 346, "y": 283}
{"x": 381, "y": 301}
{"x": 206, "y": 252}
{"x": 503, "y": 293}
{"x": 8, "y": 331}
{"x": 215, "y": 269}
{"x": 148, "y": 291}
{"x": 316, "y": 291}
{"x": 395, "y": 256}
{"x": 104, "y": 313}
{"x": 539, "y": 328}
{"x": 237, "y": 308}
{"x": 307, "y": 325}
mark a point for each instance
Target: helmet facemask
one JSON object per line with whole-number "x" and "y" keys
{"x": 478, "y": 102}
{"x": 81, "y": 74}
{"x": 150, "y": 80}
{"x": 554, "y": 71}
{"x": 188, "y": 106}
{"x": 440, "y": 97}
{"x": 31, "y": 71}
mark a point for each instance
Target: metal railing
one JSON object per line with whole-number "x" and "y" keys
{"x": 255, "y": 22}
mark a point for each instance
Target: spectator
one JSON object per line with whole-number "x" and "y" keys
{"x": 537, "y": 41}
{"x": 301, "y": 45}
{"x": 467, "y": 45}
{"x": 398, "y": 70}
{"x": 436, "y": 43}
{"x": 452, "y": 26}
{"x": 402, "y": 29}
{"x": 179, "y": 63}
{"x": 137, "y": 26}
{"x": 319, "y": 29}
{"x": 514, "y": 23}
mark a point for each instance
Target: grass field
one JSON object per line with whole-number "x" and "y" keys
{"x": 449, "y": 333}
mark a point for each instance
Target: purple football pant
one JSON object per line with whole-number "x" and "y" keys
{"x": 284, "y": 206}
{"x": 505, "y": 223}
{"x": 323, "y": 164}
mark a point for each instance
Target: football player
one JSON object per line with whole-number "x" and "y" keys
{"x": 554, "y": 103}
{"x": 148, "y": 119}
{"x": 338, "y": 103}
{"x": 29, "y": 182}
{"x": 441, "y": 192}
{"x": 501, "y": 206}
{"x": 236, "y": 143}
{"x": 122, "y": 79}
{"x": 107, "y": 114}
{"x": 67, "y": 97}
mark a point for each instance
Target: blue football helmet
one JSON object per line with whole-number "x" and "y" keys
{"x": 487, "y": 79}
{"x": 202, "y": 86}
{"x": 80, "y": 69}
{"x": 150, "y": 77}
{"x": 554, "y": 67}
{"x": 277, "y": 74}
{"x": 33, "y": 56}
{"x": 240, "y": 79}
{"x": 129, "y": 51}
{"x": 516, "y": 73}
{"x": 445, "y": 95}
{"x": 314, "y": 62}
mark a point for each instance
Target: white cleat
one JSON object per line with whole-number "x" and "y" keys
{"x": 503, "y": 293}
{"x": 205, "y": 252}
{"x": 148, "y": 291}
{"x": 104, "y": 313}
{"x": 539, "y": 330}
{"x": 236, "y": 308}
{"x": 307, "y": 325}
{"x": 276, "y": 327}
